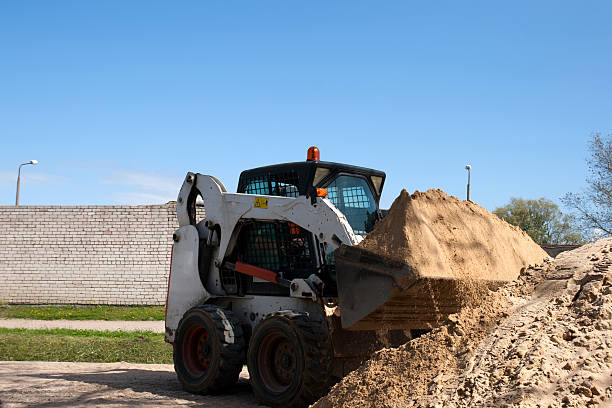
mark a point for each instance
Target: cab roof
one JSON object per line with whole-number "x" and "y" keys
{"x": 303, "y": 175}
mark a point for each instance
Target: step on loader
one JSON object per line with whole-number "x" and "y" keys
{"x": 271, "y": 276}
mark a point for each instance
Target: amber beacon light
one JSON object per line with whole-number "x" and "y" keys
{"x": 313, "y": 154}
{"x": 321, "y": 192}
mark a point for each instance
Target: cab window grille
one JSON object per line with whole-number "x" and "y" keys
{"x": 332, "y": 194}
{"x": 277, "y": 246}
{"x": 258, "y": 186}
{"x": 281, "y": 184}
{"x": 353, "y": 197}
{"x": 284, "y": 189}
{"x": 262, "y": 247}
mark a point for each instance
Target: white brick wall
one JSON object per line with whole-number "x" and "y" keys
{"x": 116, "y": 255}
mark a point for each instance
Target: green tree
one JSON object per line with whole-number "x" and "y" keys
{"x": 594, "y": 205}
{"x": 542, "y": 221}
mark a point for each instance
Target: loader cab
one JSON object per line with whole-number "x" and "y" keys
{"x": 286, "y": 248}
{"x": 354, "y": 190}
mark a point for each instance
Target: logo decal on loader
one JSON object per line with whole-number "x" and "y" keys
{"x": 260, "y": 202}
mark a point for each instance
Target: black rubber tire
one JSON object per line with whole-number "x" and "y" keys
{"x": 216, "y": 332}
{"x": 310, "y": 359}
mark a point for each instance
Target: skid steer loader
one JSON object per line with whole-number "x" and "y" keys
{"x": 271, "y": 277}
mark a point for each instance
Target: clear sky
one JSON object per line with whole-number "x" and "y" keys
{"x": 119, "y": 99}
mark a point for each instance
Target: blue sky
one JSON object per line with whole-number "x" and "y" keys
{"x": 118, "y": 100}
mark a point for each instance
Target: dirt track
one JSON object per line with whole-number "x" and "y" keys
{"x": 111, "y": 325}
{"x": 43, "y": 384}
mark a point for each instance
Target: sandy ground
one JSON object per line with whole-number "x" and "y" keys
{"x": 154, "y": 326}
{"x": 48, "y": 384}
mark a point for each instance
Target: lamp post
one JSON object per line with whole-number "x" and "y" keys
{"x": 468, "y": 168}
{"x": 19, "y": 177}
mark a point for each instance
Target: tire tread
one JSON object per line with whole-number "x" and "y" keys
{"x": 316, "y": 343}
{"x": 232, "y": 353}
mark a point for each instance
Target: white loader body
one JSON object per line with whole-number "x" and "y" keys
{"x": 223, "y": 211}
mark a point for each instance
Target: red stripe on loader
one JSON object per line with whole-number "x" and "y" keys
{"x": 256, "y": 272}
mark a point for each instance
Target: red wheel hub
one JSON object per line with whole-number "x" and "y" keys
{"x": 277, "y": 362}
{"x": 197, "y": 350}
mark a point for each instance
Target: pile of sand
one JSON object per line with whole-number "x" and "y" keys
{"x": 544, "y": 340}
{"x": 442, "y": 236}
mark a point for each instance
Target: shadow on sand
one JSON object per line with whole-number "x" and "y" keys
{"x": 137, "y": 387}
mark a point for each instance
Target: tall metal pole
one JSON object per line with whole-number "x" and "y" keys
{"x": 468, "y": 168}
{"x": 19, "y": 178}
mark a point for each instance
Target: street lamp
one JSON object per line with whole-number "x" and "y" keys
{"x": 468, "y": 168}
{"x": 19, "y": 177}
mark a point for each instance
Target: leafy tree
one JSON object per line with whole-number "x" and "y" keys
{"x": 542, "y": 221}
{"x": 594, "y": 205}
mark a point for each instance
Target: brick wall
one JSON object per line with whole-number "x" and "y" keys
{"x": 117, "y": 255}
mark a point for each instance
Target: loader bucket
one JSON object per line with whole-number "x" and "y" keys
{"x": 378, "y": 293}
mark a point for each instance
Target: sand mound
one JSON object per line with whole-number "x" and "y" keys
{"x": 442, "y": 236}
{"x": 544, "y": 340}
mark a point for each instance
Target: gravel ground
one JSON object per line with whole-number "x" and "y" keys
{"x": 114, "y": 325}
{"x": 45, "y": 384}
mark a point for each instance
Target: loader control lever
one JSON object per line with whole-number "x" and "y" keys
{"x": 257, "y": 272}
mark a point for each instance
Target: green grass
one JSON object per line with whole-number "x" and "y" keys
{"x": 83, "y": 346}
{"x": 72, "y": 312}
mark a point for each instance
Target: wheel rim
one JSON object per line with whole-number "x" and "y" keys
{"x": 197, "y": 350}
{"x": 277, "y": 362}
